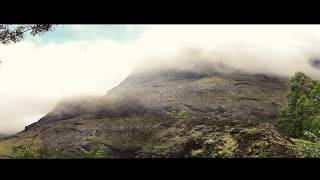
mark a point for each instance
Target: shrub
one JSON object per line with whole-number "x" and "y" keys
{"x": 311, "y": 136}
{"x": 178, "y": 115}
{"x": 311, "y": 148}
{"x": 94, "y": 154}
{"x": 42, "y": 152}
{"x": 229, "y": 146}
{"x": 25, "y": 153}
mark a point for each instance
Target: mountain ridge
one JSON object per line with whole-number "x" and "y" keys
{"x": 171, "y": 113}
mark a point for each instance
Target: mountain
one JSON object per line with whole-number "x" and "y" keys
{"x": 3, "y": 135}
{"x": 315, "y": 63}
{"x": 168, "y": 113}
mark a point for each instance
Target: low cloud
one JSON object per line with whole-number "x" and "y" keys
{"x": 35, "y": 78}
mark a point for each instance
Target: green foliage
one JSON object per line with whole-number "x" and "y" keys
{"x": 94, "y": 154}
{"x": 43, "y": 152}
{"x": 301, "y": 112}
{"x": 182, "y": 114}
{"x": 311, "y": 148}
{"x": 263, "y": 149}
{"x": 311, "y": 136}
{"x": 175, "y": 147}
{"x": 178, "y": 115}
{"x": 25, "y": 153}
{"x": 229, "y": 146}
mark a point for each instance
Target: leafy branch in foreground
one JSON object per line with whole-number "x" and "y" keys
{"x": 15, "y": 33}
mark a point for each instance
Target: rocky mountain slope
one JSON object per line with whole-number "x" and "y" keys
{"x": 168, "y": 113}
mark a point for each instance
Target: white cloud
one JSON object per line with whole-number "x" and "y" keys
{"x": 55, "y": 71}
{"x": 39, "y": 74}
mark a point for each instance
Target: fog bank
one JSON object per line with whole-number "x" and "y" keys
{"x": 34, "y": 78}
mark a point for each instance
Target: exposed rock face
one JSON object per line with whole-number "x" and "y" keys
{"x": 216, "y": 96}
{"x": 225, "y": 116}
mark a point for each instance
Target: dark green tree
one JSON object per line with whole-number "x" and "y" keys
{"x": 300, "y": 112}
{"x": 14, "y": 33}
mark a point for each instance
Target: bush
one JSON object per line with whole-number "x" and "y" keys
{"x": 312, "y": 149}
{"x": 94, "y": 154}
{"x": 25, "y": 153}
{"x": 178, "y": 115}
{"x": 311, "y": 136}
{"x": 42, "y": 152}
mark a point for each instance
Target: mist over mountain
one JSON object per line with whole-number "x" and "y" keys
{"x": 178, "y": 91}
{"x": 178, "y": 109}
{"x": 54, "y": 71}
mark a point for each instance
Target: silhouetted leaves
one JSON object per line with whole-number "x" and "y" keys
{"x": 15, "y": 33}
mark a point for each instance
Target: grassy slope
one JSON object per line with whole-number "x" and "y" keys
{"x": 8, "y": 146}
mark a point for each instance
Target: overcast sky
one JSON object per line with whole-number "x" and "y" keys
{"x": 77, "y": 60}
